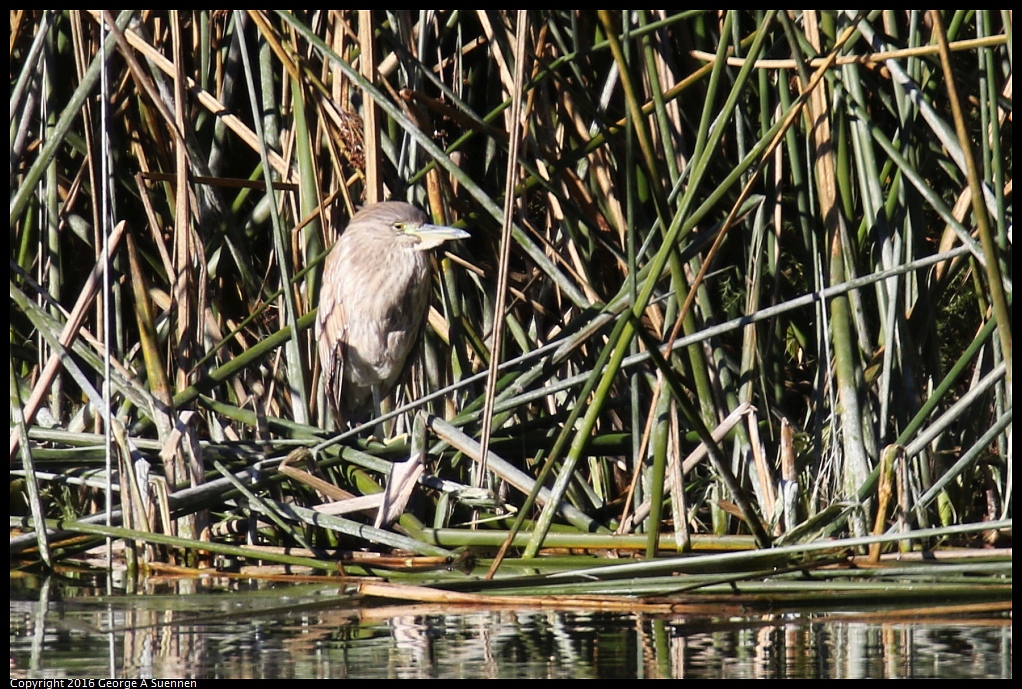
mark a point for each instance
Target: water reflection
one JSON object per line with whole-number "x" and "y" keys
{"x": 207, "y": 628}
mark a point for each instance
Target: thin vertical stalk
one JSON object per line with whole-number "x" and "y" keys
{"x": 35, "y": 503}
{"x": 505, "y": 243}
{"x": 856, "y": 464}
{"x": 370, "y": 120}
{"x": 979, "y": 210}
{"x": 67, "y": 118}
{"x": 660, "y": 443}
{"x": 52, "y": 207}
{"x": 296, "y": 369}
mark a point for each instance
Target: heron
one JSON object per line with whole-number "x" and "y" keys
{"x": 373, "y": 304}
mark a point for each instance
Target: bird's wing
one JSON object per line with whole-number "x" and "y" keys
{"x": 407, "y": 331}
{"x": 333, "y": 345}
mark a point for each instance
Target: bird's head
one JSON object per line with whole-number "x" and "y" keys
{"x": 405, "y": 223}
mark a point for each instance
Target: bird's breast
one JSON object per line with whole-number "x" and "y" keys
{"x": 386, "y": 310}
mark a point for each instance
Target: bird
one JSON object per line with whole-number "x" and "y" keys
{"x": 373, "y": 304}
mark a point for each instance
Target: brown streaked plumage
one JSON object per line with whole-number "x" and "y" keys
{"x": 373, "y": 303}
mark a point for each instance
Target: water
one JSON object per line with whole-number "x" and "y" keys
{"x": 242, "y": 629}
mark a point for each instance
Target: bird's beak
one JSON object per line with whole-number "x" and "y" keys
{"x": 432, "y": 236}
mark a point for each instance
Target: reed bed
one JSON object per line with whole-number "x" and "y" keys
{"x": 737, "y": 282}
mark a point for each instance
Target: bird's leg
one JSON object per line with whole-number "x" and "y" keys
{"x": 379, "y": 431}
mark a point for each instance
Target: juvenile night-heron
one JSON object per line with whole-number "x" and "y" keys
{"x": 373, "y": 303}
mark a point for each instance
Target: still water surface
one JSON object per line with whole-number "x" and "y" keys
{"x": 240, "y": 629}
